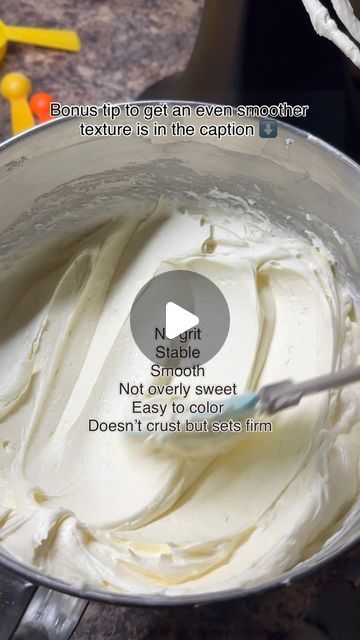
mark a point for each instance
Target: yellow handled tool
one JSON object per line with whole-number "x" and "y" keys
{"x": 15, "y": 87}
{"x": 51, "y": 38}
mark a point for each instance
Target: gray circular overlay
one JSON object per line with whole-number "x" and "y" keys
{"x": 197, "y": 295}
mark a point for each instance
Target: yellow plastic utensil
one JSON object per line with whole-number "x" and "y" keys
{"x": 15, "y": 87}
{"x": 51, "y": 38}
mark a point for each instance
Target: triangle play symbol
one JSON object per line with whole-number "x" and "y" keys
{"x": 178, "y": 320}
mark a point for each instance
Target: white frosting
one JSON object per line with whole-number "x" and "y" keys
{"x": 167, "y": 513}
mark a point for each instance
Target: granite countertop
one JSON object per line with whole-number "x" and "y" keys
{"x": 128, "y": 45}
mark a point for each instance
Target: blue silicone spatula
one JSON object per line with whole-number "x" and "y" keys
{"x": 287, "y": 393}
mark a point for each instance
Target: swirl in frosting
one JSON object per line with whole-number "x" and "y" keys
{"x": 173, "y": 514}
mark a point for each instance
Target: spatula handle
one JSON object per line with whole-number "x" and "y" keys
{"x": 278, "y": 396}
{"x": 51, "y": 38}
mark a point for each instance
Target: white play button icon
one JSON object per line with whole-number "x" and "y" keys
{"x": 178, "y": 320}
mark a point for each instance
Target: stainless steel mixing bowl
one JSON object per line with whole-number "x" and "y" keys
{"x": 55, "y": 184}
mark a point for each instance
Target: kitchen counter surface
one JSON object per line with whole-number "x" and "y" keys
{"x": 128, "y": 45}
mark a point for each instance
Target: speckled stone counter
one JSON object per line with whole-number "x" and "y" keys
{"x": 128, "y": 45}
